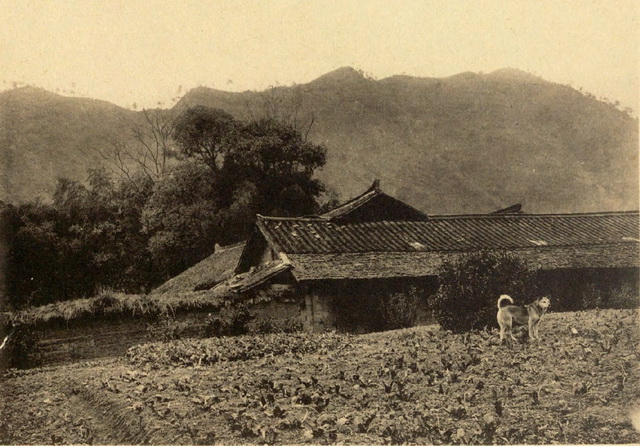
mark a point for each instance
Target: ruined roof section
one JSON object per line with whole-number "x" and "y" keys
{"x": 374, "y": 205}
{"x": 209, "y": 272}
{"x": 450, "y": 233}
{"x": 256, "y": 277}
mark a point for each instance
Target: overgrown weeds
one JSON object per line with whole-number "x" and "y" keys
{"x": 117, "y": 305}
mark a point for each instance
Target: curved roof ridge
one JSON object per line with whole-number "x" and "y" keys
{"x": 221, "y": 248}
{"x": 355, "y": 202}
{"x": 362, "y": 199}
{"x": 274, "y": 218}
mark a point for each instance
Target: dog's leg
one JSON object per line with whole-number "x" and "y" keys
{"x": 535, "y": 325}
{"x": 504, "y": 330}
{"x": 513, "y": 338}
{"x": 506, "y": 326}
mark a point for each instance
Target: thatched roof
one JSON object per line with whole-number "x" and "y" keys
{"x": 211, "y": 271}
{"x": 118, "y": 305}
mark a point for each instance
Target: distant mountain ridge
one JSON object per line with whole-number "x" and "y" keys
{"x": 462, "y": 144}
{"x": 45, "y": 136}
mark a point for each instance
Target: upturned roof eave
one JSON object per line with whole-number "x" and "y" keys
{"x": 351, "y": 205}
{"x": 364, "y": 198}
{"x": 356, "y": 202}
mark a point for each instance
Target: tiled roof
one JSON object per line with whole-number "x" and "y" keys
{"x": 373, "y": 265}
{"x": 450, "y": 233}
{"x": 207, "y": 273}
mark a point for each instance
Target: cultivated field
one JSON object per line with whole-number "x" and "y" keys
{"x": 421, "y": 385}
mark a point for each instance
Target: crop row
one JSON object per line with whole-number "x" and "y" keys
{"x": 420, "y": 386}
{"x": 203, "y": 352}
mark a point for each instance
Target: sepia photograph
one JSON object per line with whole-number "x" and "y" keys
{"x": 314, "y": 222}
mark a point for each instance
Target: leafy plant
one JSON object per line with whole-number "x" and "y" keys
{"x": 185, "y": 353}
{"x": 415, "y": 386}
{"x": 399, "y": 310}
{"x": 232, "y": 320}
{"x": 22, "y": 348}
{"x": 272, "y": 325}
{"x": 165, "y": 329}
{"x": 470, "y": 287}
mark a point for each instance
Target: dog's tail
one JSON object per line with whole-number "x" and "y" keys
{"x": 504, "y": 297}
{"x": 6, "y": 339}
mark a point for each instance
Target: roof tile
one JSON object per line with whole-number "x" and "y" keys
{"x": 451, "y": 233}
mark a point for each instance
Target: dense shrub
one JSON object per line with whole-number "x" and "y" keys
{"x": 626, "y": 296}
{"x": 165, "y": 329}
{"x": 272, "y": 325}
{"x": 595, "y": 296}
{"x": 21, "y": 349}
{"x": 230, "y": 321}
{"x": 469, "y": 289}
{"x": 399, "y": 310}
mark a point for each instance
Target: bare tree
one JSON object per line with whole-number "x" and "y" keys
{"x": 146, "y": 148}
{"x": 283, "y": 105}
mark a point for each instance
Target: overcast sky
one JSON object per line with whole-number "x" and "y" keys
{"x": 145, "y": 51}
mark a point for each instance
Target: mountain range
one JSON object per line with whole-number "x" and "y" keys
{"x": 469, "y": 143}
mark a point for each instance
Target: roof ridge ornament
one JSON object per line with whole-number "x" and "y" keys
{"x": 513, "y": 209}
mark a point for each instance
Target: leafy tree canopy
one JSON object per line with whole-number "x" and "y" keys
{"x": 132, "y": 233}
{"x": 205, "y": 134}
{"x": 271, "y": 154}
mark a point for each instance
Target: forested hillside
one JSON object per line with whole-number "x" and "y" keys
{"x": 467, "y": 143}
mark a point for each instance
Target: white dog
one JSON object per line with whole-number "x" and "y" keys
{"x": 529, "y": 315}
